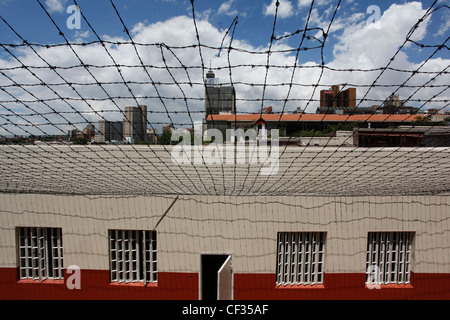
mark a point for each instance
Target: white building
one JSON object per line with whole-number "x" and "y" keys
{"x": 345, "y": 223}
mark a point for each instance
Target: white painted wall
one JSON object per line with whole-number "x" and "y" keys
{"x": 244, "y": 226}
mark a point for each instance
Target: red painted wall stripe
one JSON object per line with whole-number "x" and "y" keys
{"x": 341, "y": 286}
{"x": 95, "y": 285}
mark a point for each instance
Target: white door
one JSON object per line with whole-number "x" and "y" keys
{"x": 225, "y": 280}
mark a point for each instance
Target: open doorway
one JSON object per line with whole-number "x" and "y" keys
{"x": 216, "y": 277}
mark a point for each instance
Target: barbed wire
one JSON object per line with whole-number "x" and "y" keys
{"x": 195, "y": 205}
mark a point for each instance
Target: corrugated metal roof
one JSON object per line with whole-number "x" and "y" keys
{"x": 143, "y": 170}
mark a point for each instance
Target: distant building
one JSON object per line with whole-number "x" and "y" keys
{"x": 293, "y": 123}
{"x": 218, "y": 99}
{"x": 103, "y": 131}
{"x": 434, "y": 111}
{"x": 109, "y": 131}
{"x": 268, "y": 110}
{"x": 73, "y": 134}
{"x": 394, "y": 105}
{"x": 152, "y": 135}
{"x": 403, "y": 136}
{"x": 89, "y": 132}
{"x": 335, "y": 98}
{"x": 299, "y": 110}
{"x": 135, "y": 124}
{"x": 116, "y": 131}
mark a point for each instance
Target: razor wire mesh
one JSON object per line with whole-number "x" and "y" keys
{"x": 189, "y": 205}
{"x": 40, "y": 97}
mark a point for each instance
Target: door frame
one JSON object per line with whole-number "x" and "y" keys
{"x": 200, "y": 284}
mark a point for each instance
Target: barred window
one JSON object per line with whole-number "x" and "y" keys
{"x": 389, "y": 258}
{"x": 40, "y": 253}
{"x": 300, "y": 258}
{"x": 133, "y": 256}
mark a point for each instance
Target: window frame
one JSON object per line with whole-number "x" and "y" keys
{"x": 40, "y": 253}
{"x": 300, "y": 263}
{"x": 133, "y": 257}
{"x": 381, "y": 268}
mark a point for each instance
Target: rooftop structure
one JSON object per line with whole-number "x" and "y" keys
{"x": 375, "y": 118}
{"x": 293, "y": 123}
{"x": 335, "y": 171}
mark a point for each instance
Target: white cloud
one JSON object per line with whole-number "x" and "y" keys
{"x": 82, "y": 36}
{"x": 55, "y": 5}
{"x": 205, "y": 14}
{"x": 372, "y": 45}
{"x": 285, "y": 9}
{"x": 445, "y": 24}
{"x": 359, "y": 46}
{"x": 226, "y": 8}
{"x": 374, "y": 42}
{"x": 5, "y": 2}
{"x": 307, "y": 3}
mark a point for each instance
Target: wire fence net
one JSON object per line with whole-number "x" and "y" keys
{"x": 43, "y": 97}
{"x": 304, "y": 212}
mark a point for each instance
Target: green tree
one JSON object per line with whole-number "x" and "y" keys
{"x": 80, "y": 141}
{"x": 166, "y": 138}
{"x": 422, "y": 121}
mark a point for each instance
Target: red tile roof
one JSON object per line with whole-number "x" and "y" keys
{"x": 314, "y": 117}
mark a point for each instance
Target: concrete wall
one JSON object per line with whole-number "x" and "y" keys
{"x": 342, "y": 139}
{"x": 244, "y": 226}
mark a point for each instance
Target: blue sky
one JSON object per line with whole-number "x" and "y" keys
{"x": 255, "y": 25}
{"x": 355, "y": 42}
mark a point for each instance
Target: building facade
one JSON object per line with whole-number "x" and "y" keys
{"x": 335, "y": 98}
{"x": 218, "y": 99}
{"x": 393, "y": 105}
{"x": 346, "y": 223}
{"x": 279, "y": 247}
{"x": 404, "y": 136}
{"x": 135, "y": 124}
{"x": 294, "y": 123}
{"x": 109, "y": 131}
